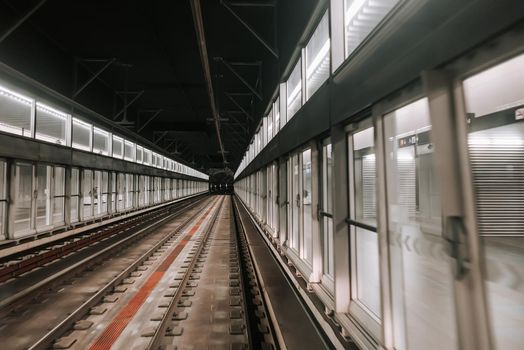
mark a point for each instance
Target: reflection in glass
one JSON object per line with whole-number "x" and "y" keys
{"x": 318, "y": 57}
{"x": 307, "y": 247}
{"x": 23, "y": 195}
{"x": 81, "y": 135}
{"x": 43, "y": 197}
{"x": 58, "y": 200}
{"x": 361, "y": 17}
{"x": 294, "y": 90}
{"x": 15, "y": 112}
{"x": 327, "y": 206}
{"x": 100, "y": 141}
{"x": 364, "y": 239}
{"x": 421, "y": 276}
{"x": 50, "y": 124}
{"x": 74, "y": 194}
{"x": 87, "y": 193}
{"x": 493, "y": 99}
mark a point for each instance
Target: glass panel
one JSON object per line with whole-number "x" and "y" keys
{"x": 15, "y": 113}
{"x": 129, "y": 151}
{"x": 269, "y": 126}
{"x": 104, "y": 191}
{"x": 318, "y": 57}
{"x": 496, "y": 149}
{"x": 147, "y": 156}
{"x": 121, "y": 189}
{"x": 139, "y": 152}
{"x": 307, "y": 247}
{"x": 100, "y": 141}
{"x": 74, "y": 194}
{"x": 361, "y": 17}
{"x": 87, "y": 188}
{"x": 327, "y": 206}
{"x": 295, "y": 198}
{"x": 58, "y": 202}
{"x": 421, "y": 276}
{"x": 43, "y": 198}
{"x": 23, "y": 194}
{"x": 50, "y": 124}
{"x": 364, "y": 242}
{"x": 118, "y": 147}
{"x": 81, "y": 135}
{"x": 97, "y": 183}
{"x": 276, "y": 113}
{"x": 294, "y": 90}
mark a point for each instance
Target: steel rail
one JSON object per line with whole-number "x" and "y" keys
{"x": 155, "y": 341}
{"x": 46, "y": 341}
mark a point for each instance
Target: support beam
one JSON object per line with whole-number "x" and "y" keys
{"x": 94, "y": 76}
{"x": 21, "y": 21}
{"x": 239, "y": 106}
{"x": 128, "y": 104}
{"x": 201, "y": 38}
{"x": 249, "y": 28}
{"x": 155, "y": 112}
{"x": 240, "y": 77}
{"x": 162, "y": 135}
{"x": 238, "y": 123}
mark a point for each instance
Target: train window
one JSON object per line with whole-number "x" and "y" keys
{"x": 307, "y": 236}
{"x": 327, "y": 211}
{"x": 295, "y": 199}
{"x": 317, "y": 57}
{"x": 294, "y": 90}
{"x": 495, "y": 104}
{"x": 361, "y": 17}
{"x": 59, "y": 195}
{"x": 129, "y": 151}
{"x": 276, "y": 113}
{"x": 15, "y": 112}
{"x": 75, "y": 195}
{"x": 51, "y": 124}
{"x": 270, "y": 126}
{"x": 139, "y": 152}
{"x": 118, "y": 147}
{"x": 81, "y": 135}
{"x": 147, "y": 156}
{"x": 365, "y": 278}
{"x": 100, "y": 141}
{"x": 423, "y": 305}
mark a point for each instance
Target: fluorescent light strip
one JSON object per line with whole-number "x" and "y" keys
{"x": 15, "y": 96}
{"x": 52, "y": 111}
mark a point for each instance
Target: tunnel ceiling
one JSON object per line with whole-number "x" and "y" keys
{"x": 151, "y": 58}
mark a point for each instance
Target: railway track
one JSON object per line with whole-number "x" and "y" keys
{"x": 45, "y": 297}
{"x": 191, "y": 283}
